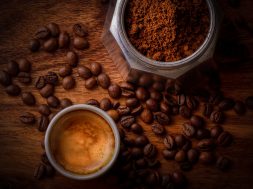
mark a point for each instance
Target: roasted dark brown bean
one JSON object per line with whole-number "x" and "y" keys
{"x": 169, "y": 142}
{"x": 197, "y": 121}
{"x": 224, "y": 139}
{"x": 202, "y": 133}
{"x": 68, "y": 82}
{"x": 141, "y": 141}
{"x": 42, "y": 33}
{"x": 43, "y": 123}
{"x": 217, "y": 116}
{"x": 152, "y": 105}
{"x": 65, "y": 71}
{"x": 54, "y": 29}
{"x": 146, "y": 116}
{"x": 150, "y": 150}
{"x": 181, "y": 99}
{"x": 191, "y": 103}
{"x": 137, "y": 110}
{"x": 104, "y": 80}
{"x": 223, "y": 163}
{"x": 44, "y": 110}
{"x": 40, "y": 171}
{"x": 64, "y": 40}
{"x": 105, "y": 104}
{"x": 165, "y": 108}
{"x": 80, "y": 43}
{"x": 114, "y": 91}
{"x": 65, "y": 102}
{"x": 113, "y": 114}
{"x": 206, "y": 157}
{"x": 127, "y": 121}
{"x": 142, "y": 94}
{"x": 13, "y": 68}
{"x": 40, "y": 82}
{"x": 208, "y": 109}
{"x": 180, "y": 140}
{"x": 90, "y": 83}
{"x": 193, "y": 155}
{"x": 169, "y": 154}
{"x": 53, "y": 101}
{"x": 132, "y": 102}
{"x": 80, "y": 30}
{"x": 180, "y": 156}
{"x": 34, "y": 45}
{"x": 158, "y": 129}
{"x": 72, "y": 58}
{"x": 93, "y": 102}
{"x": 28, "y": 98}
{"x": 24, "y": 65}
{"x": 47, "y": 90}
{"x": 50, "y": 45}
{"x": 5, "y": 78}
{"x": 162, "y": 118}
{"x": 226, "y": 104}
{"x": 188, "y": 129}
{"x": 51, "y": 78}
{"x": 145, "y": 80}
{"x": 136, "y": 128}
{"x": 27, "y": 118}
{"x": 13, "y": 90}
{"x": 240, "y": 107}
{"x": 206, "y": 145}
{"x": 84, "y": 72}
{"x": 185, "y": 112}
{"x": 216, "y": 131}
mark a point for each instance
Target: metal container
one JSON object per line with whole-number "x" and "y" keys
{"x": 137, "y": 62}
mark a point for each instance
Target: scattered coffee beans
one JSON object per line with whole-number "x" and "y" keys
{"x": 13, "y": 90}
{"x": 42, "y": 33}
{"x": 80, "y": 43}
{"x": 27, "y": 118}
{"x": 34, "y": 45}
{"x": 50, "y": 45}
{"x": 72, "y": 58}
{"x": 64, "y": 40}
{"x": 93, "y": 102}
{"x": 114, "y": 91}
{"x": 65, "y": 102}
{"x": 105, "y": 104}
{"x": 103, "y": 80}
{"x": 65, "y": 71}
{"x": 84, "y": 72}
{"x": 239, "y": 107}
{"x": 40, "y": 82}
{"x": 43, "y": 123}
{"x": 95, "y": 68}
{"x": 47, "y": 90}
{"x": 44, "y": 110}
{"x": 54, "y": 29}
{"x": 80, "y": 30}
{"x": 90, "y": 83}
{"x": 28, "y": 98}
{"x": 68, "y": 82}
{"x": 24, "y": 65}
{"x": 146, "y": 116}
{"x": 51, "y": 78}
{"x": 24, "y": 78}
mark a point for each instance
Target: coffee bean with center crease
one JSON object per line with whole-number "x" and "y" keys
{"x": 50, "y": 45}
{"x": 239, "y": 107}
{"x": 114, "y": 91}
{"x": 217, "y": 116}
{"x": 180, "y": 140}
{"x": 105, "y": 104}
{"x": 64, "y": 40}
{"x": 68, "y": 82}
{"x": 169, "y": 142}
{"x": 123, "y": 110}
{"x": 65, "y": 71}
{"x": 28, "y": 98}
{"x": 24, "y": 78}
{"x": 187, "y": 145}
{"x": 90, "y": 83}
{"x": 127, "y": 86}
{"x": 142, "y": 94}
{"x": 27, "y": 118}
{"x": 5, "y": 78}
{"x": 216, "y": 131}
{"x": 132, "y": 102}
{"x": 202, "y": 133}
{"x": 137, "y": 110}
{"x": 80, "y": 43}
{"x": 193, "y": 155}
{"x": 44, "y": 110}
{"x": 43, "y": 123}
{"x": 34, "y": 45}
{"x": 42, "y": 33}
{"x": 84, "y": 72}
{"x": 113, "y": 114}
{"x": 40, "y": 82}
{"x": 145, "y": 80}
{"x": 249, "y": 102}
{"x": 136, "y": 128}
{"x": 188, "y": 129}
{"x": 127, "y": 121}
{"x": 13, "y": 68}
{"x": 158, "y": 129}
{"x": 206, "y": 145}
{"x": 169, "y": 154}
{"x": 162, "y": 118}
{"x": 51, "y": 116}
{"x": 165, "y": 108}
{"x": 104, "y": 80}
{"x": 185, "y": 112}
{"x": 152, "y": 105}
{"x": 207, "y": 157}
{"x": 24, "y": 65}
{"x": 127, "y": 93}
{"x": 51, "y": 78}
{"x": 72, "y": 58}
{"x": 54, "y": 29}
{"x": 13, "y": 90}
{"x": 47, "y": 90}
{"x": 223, "y": 163}
{"x": 141, "y": 141}
{"x": 95, "y": 68}
{"x": 208, "y": 109}
{"x": 191, "y": 102}
{"x": 197, "y": 121}
{"x": 150, "y": 150}
{"x": 65, "y": 102}
{"x": 146, "y": 116}
{"x": 53, "y": 101}
{"x": 166, "y": 182}
{"x": 40, "y": 171}
{"x": 93, "y": 102}
{"x": 226, "y": 104}
{"x": 224, "y": 139}
{"x": 80, "y": 30}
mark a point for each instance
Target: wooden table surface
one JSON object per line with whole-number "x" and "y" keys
{"x": 20, "y": 147}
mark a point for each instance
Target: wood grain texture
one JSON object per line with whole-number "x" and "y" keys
{"x": 20, "y": 144}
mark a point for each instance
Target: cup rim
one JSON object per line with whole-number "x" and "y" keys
{"x": 70, "y": 174}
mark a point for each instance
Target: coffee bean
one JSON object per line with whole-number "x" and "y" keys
{"x": 223, "y": 163}
{"x": 179, "y": 179}
{"x": 137, "y": 110}
{"x": 217, "y": 116}
{"x": 142, "y": 94}
{"x": 43, "y": 123}
{"x": 13, "y": 90}
{"x": 162, "y": 118}
{"x": 84, "y": 72}
{"x": 24, "y": 78}
{"x": 51, "y": 116}
{"x": 50, "y": 45}
{"x": 93, "y": 102}
{"x": 216, "y": 98}
{"x": 180, "y": 140}
{"x": 169, "y": 154}
{"x": 249, "y": 102}
{"x": 13, "y": 68}
{"x": 34, "y": 45}
{"x": 54, "y": 29}
{"x": 140, "y": 163}
{"x": 187, "y": 145}
{"x": 152, "y": 105}
{"x": 153, "y": 178}
{"x": 47, "y": 90}
{"x": 206, "y": 145}
{"x": 65, "y": 71}
{"x": 68, "y": 82}
{"x": 216, "y": 131}
{"x": 181, "y": 99}
{"x": 185, "y": 112}
{"x": 90, "y": 83}
{"x": 175, "y": 110}
{"x": 114, "y": 91}
{"x": 64, "y": 40}
{"x": 185, "y": 166}
{"x": 44, "y": 158}
{"x": 28, "y": 98}
{"x": 157, "y": 96}
{"x": 188, "y": 129}
{"x": 115, "y": 105}
{"x": 206, "y": 157}
{"x": 80, "y": 30}
{"x": 72, "y": 58}
{"x": 137, "y": 153}
{"x": 53, "y": 101}
{"x": 104, "y": 80}
{"x": 44, "y": 110}
{"x": 127, "y": 121}
{"x": 166, "y": 182}
{"x": 180, "y": 156}
{"x": 127, "y": 86}
{"x": 95, "y": 68}
{"x": 42, "y": 33}
{"x": 239, "y": 107}
{"x": 224, "y": 139}
{"x": 5, "y": 78}
{"x": 150, "y": 150}
{"x": 65, "y": 102}
{"x": 105, "y": 104}
{"x": 208, "y": 109}
{"x": 80, "y": 43}
{"x": 197, "y": 121}
{"x": 193, "y": 155}
{"x": 141, "y": 141}
{"x": 202, "y": 133}
{"x": 132, "y": 102}
{"x": 165, "y": 108}
{"x": 146, "y": 116}
{"x": 24, "y": 65}
{"x": 226, "y": 104}
{"x": 158, "y": 86}
{"x": 113, "y": 114}
{"x": 136, "y": 128}
{"x": 158, "y": 129}
{"x": 123, "y": 110}
{"x": 145, "y": 80}
{"x": 191, "y": 103}
{"x": 40, "y": 82}
{"x": 51, "y": 78}
{"x": 169, "y": 142}
{"x": 40, "y": 171}
{"x": 27, "y": 118}
{"x": 127, "y": 93}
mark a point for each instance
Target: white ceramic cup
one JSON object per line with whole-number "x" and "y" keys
{"x": 67, "y": 173}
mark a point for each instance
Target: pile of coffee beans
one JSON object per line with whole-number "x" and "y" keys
{"x": 140, "y": 100}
